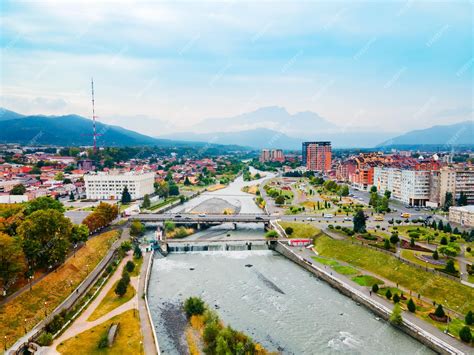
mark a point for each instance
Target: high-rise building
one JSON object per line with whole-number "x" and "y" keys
{"x": 317, "y": 156}
{"x": 271, "y": 155}
{"x": 456, "y": 179}
{"x": 264, "y": 155}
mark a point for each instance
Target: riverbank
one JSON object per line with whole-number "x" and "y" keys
{"x": 424, "y": 333}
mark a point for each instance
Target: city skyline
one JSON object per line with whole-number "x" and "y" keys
{"x": 392, "y": 64}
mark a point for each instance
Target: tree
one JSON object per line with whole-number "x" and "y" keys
{"x": 271, "y": 234}
{"x": 18, "y": 189}
{"x": 394, "y": 239}
{"x": 289, "y": 230}
{"x": 162, "y": 189}
{"x": 187, "y": 182}
{"x": 146, "y": 201}
{"x": 388, "y": 294}
{"x": 80, "y": 233}
{"x": 435, "y": 255}
{"x": 194, "y": 306}
{"x": 396, "y": 298}
{"x": 43, "y": 203}
{"x": 130, "y": 266}
{"x": 465, "y": 334}
{"x": 387, "y": 194}
{"x": 448, "y": 201}
{"x": 137, "y": 252}
{"x": 396, "y": 316}
{"x": 443, "y": 241}
{"x": 462, "y": 200}
{"x": 450, "y": 267}
{"x": 45, "y": 237}
{"x": 411, "y": 306}
{"x": 71, "y": 196}
{"x": 344, "y": 190}
{"x": 469, "y": 319}
{"x": 447, "y": 228}
{"x": 439, "y": 312}
{"x": 174, "y": 189}
{"x": 440, "y": 225}
{"x": 121, "y": 288}
{"x": 280, "y": 200}
{"x": 359, "y": 221}
{"x": 137, "y": 228}
{"x": 126, "y": 246}
{"x": 11, "y": 259}
{"x": 433, "y": 225}
{"x": 386, "y": 244}
{"x": 59, "y": 176}
{"x": 375, "y": 288}
{"x": 373, "y": 189}
{"x": 126, "y": 198}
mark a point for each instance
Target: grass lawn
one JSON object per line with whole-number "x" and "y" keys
{"x": 435, "y": 287}
{"x": 53, "y": 289}
{"x": 111, "y": 301}
{"x": 301, "y": 230}
{"x": 324, "y": 261}
{"x": 410, "y": 255}
{"x": 341, "y": 269}
{"x": 138, "y": 264}
{"x": 128, "y": 340}
{"x": 164, "y": 203}
{"x": 366, "y": 280}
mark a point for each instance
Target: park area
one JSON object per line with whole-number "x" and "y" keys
{"x": 30, "y": 307}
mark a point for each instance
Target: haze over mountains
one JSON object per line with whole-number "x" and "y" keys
{"x": 268, "y": 127}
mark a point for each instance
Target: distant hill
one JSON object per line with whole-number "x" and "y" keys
{"x": 71, "y": 130}
{"x": 255, "y": 138}
{"x": 454, "y": 134}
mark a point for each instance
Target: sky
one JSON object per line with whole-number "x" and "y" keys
{"x": 385, "y": 65}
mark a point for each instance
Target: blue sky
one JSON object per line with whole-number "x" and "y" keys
{"x": 389, "y": 65}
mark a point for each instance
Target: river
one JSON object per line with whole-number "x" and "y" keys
{"x": 277, "y": 303}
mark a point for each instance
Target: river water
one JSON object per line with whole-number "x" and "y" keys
{"x": 277, "y": 303}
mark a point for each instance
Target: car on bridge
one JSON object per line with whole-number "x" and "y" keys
{"x": 202, "y": 215}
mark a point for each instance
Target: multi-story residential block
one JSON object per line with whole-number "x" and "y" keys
{"x": 463, "y": 215}
{"x": 272, "y": 155}
{"x": 317, "y": 156}
{"x": 109, "y": 186}
{"x": 456, "y": 179}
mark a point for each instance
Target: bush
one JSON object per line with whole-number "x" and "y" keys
{"x": 450, "y": 267}
{"x": 338, "y": 227}
{"x": 375, "y": 288}
{"x": 465, "y": 334}
{"x": 411, "y": 306}
{"x": 45, "y": 339}
{"x": 289, "y": 230}
{"x": 103, "y": 341}
{"x": 55, "y": 325}
{"x": 444, "y": 241}
{"x": 271, "y": 234}
{"x": 126, "y": 246}
{"x": 125, "y": 276}
{"x": 121, "y": 288}
{"x": 194, "y": 306}
{"x": 137, "y": 228}
{"x": 137, "y": 252}
{"x": 130, "y": 266}
{"x": 435, "y": 255}
{"x": 394, "y": 239}
{"x": 414, "y": 235}
{"x": 386, "y": 244}
{"x": 469, "y": 319}
{"x": 388, "y": 294}
{"x": 331, "y": 226}
{"x": 396, "y": 316}
{"x": 439, "y": 312}
{"x": 396, "y": 298}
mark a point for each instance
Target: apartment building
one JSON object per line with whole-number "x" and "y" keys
{"x": 463, "y": 215}
{"x": 272, "y": 155}
{"x": 109, "y": 186}
{"x": 456, "y": 179}
{"x": 317, "y": 156}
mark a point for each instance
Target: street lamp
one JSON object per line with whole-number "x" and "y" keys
{"x": 25, "y": 325}
{"x": 30, "y": 280}
{"x": 45, "y": 309}
{"x": 5, "y": 343}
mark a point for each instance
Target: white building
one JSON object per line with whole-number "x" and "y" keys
{"x": 462, "y": 215}
{"x": 109, "y": 186}
{"x": 410, "y": 186}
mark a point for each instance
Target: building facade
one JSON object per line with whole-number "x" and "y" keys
{"x": 271, "y": 155}
{"x": 462, "y": 215}
{"x": 109, "y": 186}
{"x": 456, "y": 180}
{"x": 317, "y": 156}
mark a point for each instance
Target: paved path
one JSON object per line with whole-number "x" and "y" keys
{"x": 305, "y": 253}
{"x": 81, "y": 324}
{"x": 147, "y": 328}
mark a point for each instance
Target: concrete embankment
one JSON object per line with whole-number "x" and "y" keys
{"x": 426, "y": 338}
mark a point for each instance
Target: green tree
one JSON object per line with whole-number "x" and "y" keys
{"x": 394, "y": 239}
{"x": 11, "y": 258}
{"x": 448, "y": 202}
{"x": 373, "y": 189}
{"x": 396, "y": 298}
{"x": 59, "y": 176}
{"x": 126, "y": 197}
{"x": 462, "y": 200}
{"x": 137, "y": 252}
{"x": 469, "y": 319}
{"x": 45, "y": 236}
{"x": 439, "y": 312}
{"x": 433, "y": 225}
{"x": 71, "y": 196}
{"x": 387, "y": 194}
{"x": 447, "y": 228}
{"x": 450, "y": 267}
{"x": 443, "y": 241}
{"x": 271, "y": 234}
{"x": 344, "y": 190}
{"x": 18, "y": 189}
{"x": 359, "y": 221}
{"x": 386, "y": 244}
{"x": 194, "y": 306}
{"x": 174, "y": 189}
{"x": 388, "y": 294}
{"x": 411, "y": 306}
{"x": 289, "y": 230}
{"x": 146, "y": 201}
{"x": 440, "y": 225}
{"x": 43, "y": 203}
{"x": 280, "y": 200}
{"x": 80, "y": 233}
{"x": 396, "y": 316}
{"x": 121, "y": 288}
{"x": 465, "y": 334}
{"x": 375, "y": 288}
{"x": 137, "y": 228}
{"x": 130, "y": 266}
{"x": 435, "y": 255}
{"x": 187, "y": 182}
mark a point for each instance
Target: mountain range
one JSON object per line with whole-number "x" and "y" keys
{"x": 268, "y": 127}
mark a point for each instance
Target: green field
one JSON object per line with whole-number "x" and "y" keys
{"x": 367, "y": 280}
{"x": 301, "y": 230}
{"x": 341, "y": 269}
{"x": 438, "y": 288}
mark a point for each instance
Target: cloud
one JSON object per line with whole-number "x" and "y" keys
{"x": 34, "y": 105}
